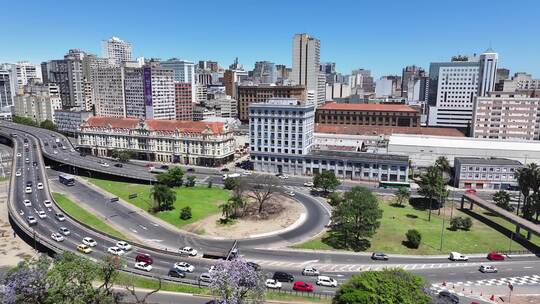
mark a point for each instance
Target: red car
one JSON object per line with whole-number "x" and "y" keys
{"x": 472, "y": 191}
{"x": 144, "y": 257}
{"x": 302, "y": 286}
{"x": 495, "y": 256}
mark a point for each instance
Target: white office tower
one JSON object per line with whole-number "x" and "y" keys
{"x": 159, "y": 98}
{"x": 184, "y": 72}
{"x": 117, "y": 49}
{"x": 27, "y": 71}
{"x": 306, "y": 66}
{"x": 488, "y": 72}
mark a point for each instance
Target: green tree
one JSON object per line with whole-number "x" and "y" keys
{"x": 357, "y": 217}
{"x": 230, "y": 183}
{"x": 210, "y": 184}
{"x": 383, "y": 287}
{"x": 227, "y": 210}
{"x": 237, "y": 203}
{"x": 125, "y": 156}
{"x": 443, "y": 164}
{"x": 335, "y": 198}
{"x": 185, "y": 213}
{"x": 24, "y": 120}
{"x": 191, "y": 181}
{"x": 528, "y": 179}
{"x": 456, "y": 223}
{"x": 502, "y": 199}
{"x": 172, "y": 178}
{"x": 432, "y": 187}
{"x": 47, "y": 124}
{"x": 326, "y": 180}
{"x": 163, "y": 197}
{"x": 414, "y": 238}
{"x": 467, "y": 223}
{"x": 402, "y": 195}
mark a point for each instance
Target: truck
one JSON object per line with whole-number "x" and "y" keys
{"x": 223, "y": 253}
{"x": 232, "y": 175}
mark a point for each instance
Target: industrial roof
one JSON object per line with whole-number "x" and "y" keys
{"x": 486, "y": 161}
{"x": 384, "y": 130}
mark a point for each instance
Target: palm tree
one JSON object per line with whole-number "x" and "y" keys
{"x": 528, "y": 179}
{"x": 432, "y": 186}
{"x": 226, "y": 210}
{"x": 502, "y": 199}
{"x": 402, "y": 194}
{"x": 236, "y": 202}
{"x": 163, "y": 197}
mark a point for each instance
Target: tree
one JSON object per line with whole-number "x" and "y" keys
{"x": 386, "y": 286}
{"x": 210, "y": 184}
{"x": 26, "y": 283}
{"x": 502, "y": 199}
{"x": 443, "y": 164}
{"x": 456, "y": 223}
{"x": 227, "y": 210}
{"x": 236, "y": 282}
{"x": 24, "y": 120}
{"x": 163, "y": 196}
{"x": 263, "y": 189}
{"x": 185, "y": 213}
{"x": 237, "y": 203}
{"x": 125, "y": 156}
{"x": 413, "y": 238}
{"x": 357, "y": 217}
{"x": 47, "y": 124}
{"x": 136, "y": 294}
{"x": 172, "y": 178}
{"x": 433, "y": 187}
{"x": 335, "y": 198}
{"x": 326, "y": 180}
{"x": 402, "y": 194}
{"x": 467, "y": 223}
{"x": 191, "y": 181}
{"x": 230, "y": 183}
{"x": 528, "y": 178}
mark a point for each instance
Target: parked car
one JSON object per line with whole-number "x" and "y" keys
{"x": 283, "y": 276}
{"x": 188, "y": 251}
{"x": 84, "y": 249}
{"x": 144, "y": 257}
{"x": 303, "y": 286}
{"x": 273, "y": 284}
{"x": 448, "y": 296}
{"x": 487, "y": 269}
{"x": 495, "y": 256}
{"x": 326, "y": 281}
{"x": 175, "y": 273}
{"x": 379, "y": 256}
{"x": 310, "y": 271}
{"x": 456, "y": 256}
{"x": 143, "y": 266}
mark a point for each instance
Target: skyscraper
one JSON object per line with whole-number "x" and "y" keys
{"x": 488, "y": 72}
{"x": 27, "y": 71}
{"x": 306, "y": 67}
{"x": 184, "y": 72}
{"x": 117, "y": 49}
{"x": 265, "y": 72}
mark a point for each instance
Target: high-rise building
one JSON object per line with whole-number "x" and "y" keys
{"x": 262, "y": 93}
{"x": 116, "y": 49}
{"x": 38, "y": 101}
{"x": 264, "y": 72}
{"x": 184, "y": 72}
{"x": 306, "y": 67}
{"x": 520, "y": 82}
{"x": 488, "y": 72}
{"x": 502, "y": 74}
{"x": 27, "y": 71}
{"x": 134, "y": 91}
{"x": 108, "y": 90}
{"x": 283, "y": 73}
{"x": 362, "y": 79}
{"x": 409, "y": 76}
{"x": 159, "y": 91}
{"x": 184, "y": 102}
{"x": 6, "y": 86}
{"x": 208, "y": 65}
{"x": 231, "y": 79}
{"x": 337, "y": 90}
{"x": 388, "y": 86}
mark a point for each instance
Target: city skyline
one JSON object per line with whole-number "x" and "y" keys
{"x": 358, "y": 40}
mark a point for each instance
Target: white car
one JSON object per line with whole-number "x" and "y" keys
{"x": 188, "y": 251}
{"x": 115, "y": 251}
{"x": 310, "y": 271}
{"x": 27, "y": 203}
{"x": 57, "y": 237}
{"x": 308, "y": 184}
{"x": 42, "y": 214}
{"x": 456, "y": 256}
{"x": 104, "y": 164}
{"x": 183, "y": 266}
{"x": 123, "y": 245}
{"x": 18, "y": 173}
{"x": 31, "y": 220}
{"x": 284, "y": 176}
{"x": 326, "y": 281}
{"x": 272, "y": 284}
{"x": 487, "y": 269}
{"x": 205, "y": 277}
{"x": 19, "y": 154}
{"x": 55, "y": 152}
{"x": 247, "y": 173}
{"x": 88, "y": 241}
{"x": 59, "y": 217}
{"x": 47, "y": 203}
{"x": 40, "y": 186}
{"x": 212, "y": 268}
{"x": 290, "y": 193}
{"x": 64, "y": 231}
{"x": 143, "y": 266}
{"x": 28, "y": 190}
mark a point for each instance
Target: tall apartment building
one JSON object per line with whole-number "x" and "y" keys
{"x": 362, "y": 79}
{"x": 506, "y": 115}
{"x": 337, "y": 90}
{"x": 265, "y": 72}
{"x": 184, "y": 102}
{"x": 184, "y": 71}
{"x": 159, "y": 93}
{"x": 410, "y": 76}
{"x": 520, "y": 82}
{"x": 108, "y": 90}
{"x": 368, "y": 114}
{"x": 116, "y": 49}
{"x": 208, "y": 65}
{"x": 262, "y": 93}
{"x": 27, "y": 71}
{"x": 6, "y": 93}
{"x": 388, "y": 86}
{"x": 134, "y": 91}
{"x": 38, "y": 101}
{"x": 306, "y": 68}
{"x": 231, "y": 79}
{"x": 488, "y": 72}
{"x": 224, "y": 106}
{"x": 68, "y": 74}
{"x": 283, "y": 73}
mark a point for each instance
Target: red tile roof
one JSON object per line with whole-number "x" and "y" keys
{"x": 156, "y": 124}
{"x": 367, "y": 107}
{"x": 385, "y": 130}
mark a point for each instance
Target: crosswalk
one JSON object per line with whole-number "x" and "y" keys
{"x": 517, "y": 281}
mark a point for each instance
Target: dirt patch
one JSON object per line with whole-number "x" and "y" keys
{"x": 279, "y": 213}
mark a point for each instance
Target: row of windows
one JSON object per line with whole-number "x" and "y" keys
{"x": 486, "y": 169}
{"x": 489, "y": 176}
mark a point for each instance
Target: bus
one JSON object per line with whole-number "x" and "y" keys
{"x": 66, "y": 179}
{"x": 394, "y": 185}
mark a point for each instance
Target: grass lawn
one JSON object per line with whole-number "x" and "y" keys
{"x": 203, "y": 201}
{"x": 84, "y": 216}
{"x": 396, "y": 221}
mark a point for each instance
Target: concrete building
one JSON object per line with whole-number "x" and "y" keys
{"x": 186, "y": 142}
{"x": 133, "y": 90}
{"x": 108, "y": 90}
{"x": 184, "y": 102}
{"x": 265, "y": 72}
{"x": 337, "y": 90}
{"x": 38, "y": 102}
{"x": 202, "y": 113}
{"x": 231, "y": 79}
{"x": 283, "y": 73}
{"x": 520, "y": 82}
{"x": 485, "y": 173}
{"x": 201, "y": 93}
{"x": 368, "y": 114}
{"x": 69, "y": 122}
{"x": 305, "y": 68}
{"x": 26, "y": 72}
{"x": 261, "y": 93}
{"x": 361, "y": 79}
{"x": 224, "y": 106}
{"x": 116, "y": 49}
{"x": 409, "y": 75}
{"x": 487, "y": 72}
{"x": 388, "y": 86}
{"x": 6, "y": 93}
{"x": 159, "y": 93}
{"x": 208, "y": 65}
{"x": 184, "y": 72}
{"x": 506, "y": 115}
{"x": 68, "y": 74}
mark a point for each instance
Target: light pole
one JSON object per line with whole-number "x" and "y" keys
{"x": 442, "y": 227}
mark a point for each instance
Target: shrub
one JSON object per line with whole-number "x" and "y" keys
{"x": 459, "y": 222}
{"x": 190, "y": 181}
{"x": 185, "y": 213}
{"x": 210, "y": 184}
{"x": 413, "y": 238}
{"x": 466, "y": 223}
{"x": 230, "y": 183}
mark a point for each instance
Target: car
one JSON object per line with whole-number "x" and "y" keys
{"x": 55, "y": 152}
{"x": 143, "y": 266}
{"x": 26, "y": 150}
{"x": 27, "y": 203}
{"x": 123, "y": 245}
{"x": 104, "y": 164}
{"x": 190, "y": 170}
{"x": 144, "y": 257}
{"x": 18, "y": 173}
{"x": 283, "y": 276}
{"x": 272, "y": 284}
{"x": 487, "y": 269}
{"x": 46, "y": 144}
{"x": 118, "y": 165}
{"x": 255, "y": 266}
{"x": 29, "y": 184}
{"x": 40, "y": 186}
{"x": 31, "y": 220}
{"x": 212, "y": 268}
{"x": 47, "y": 203}
{"x": 34, "y": 164}
{"x": 115, "y": 251}
{"x": 84, "y": 249}
{"x": 64, "y": 148}
{"x": 283, "y": 176}
{"x": 247, "y": 173}
{"x": 63, "y": 230}
{"x": 42, "y": 214}
{"x": 27, "y": 160}
{"x": 456, "y": 256}
{"x": 302, "y": 286}
{"x": 28, "y": 190}
{"x": 225, "y": 170}
{"x": 326, "y": 281}
{"x": 379, "y": 256}
{"x": 471, "y": 191}
{"x": 495, "y": 256}
{"x": 448, "y": 296}
{"x": 310, "y": 271}
{"x": 308, "y": 184}
{"x": 205, "y": 277}
{"x": 175, "y": 273}
{"x": 60, "y": 217}
{"x": 183, "y": 266}
{"x": 290, "y": 193}
{"x": 25, "y": 144}
{"x": 89, "y": 242}
{"x": 19, "y": 154}
{"x": 188, "y": 251}
{"x": 57, "y": 237}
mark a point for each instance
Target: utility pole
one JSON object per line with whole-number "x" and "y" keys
{"x": 442, "y": 228}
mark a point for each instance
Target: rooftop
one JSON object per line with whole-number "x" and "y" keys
{"x": 156, "y": 124}
{"x": 357, "y": 156}
{"x": 487, "y": 161}
{"x": 384, "y": 130}
{"x": 368, "y": 107}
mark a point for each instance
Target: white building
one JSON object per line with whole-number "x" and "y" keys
{"x": 487, "y": 72}
{"x": 384, "y": 87}
{"x": 201, "y": 93}
{"x": 485, "y": 173}
{"x": 116, "y": 49}
{"x": 224, "y": 106}
{"x": 6, "y": 88}
{"x": 70, "y": 121}
{"x": 159, "y": 93}
{"x": 27, "y": 71}
{"x": 184, "y": 72}
{"x": 108, "y": 90}
{"x": 305, "y": 67}
{"x": 337, "y": 90}
{"x": 520, "y": 81}
{"x": 38, "y": 102}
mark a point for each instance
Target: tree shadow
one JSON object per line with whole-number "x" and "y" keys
{"x": 412, "y": 216}
{"x": 397, "y": 205}
{"x": 337, "y": 241}
{"x": 408, "y": 244}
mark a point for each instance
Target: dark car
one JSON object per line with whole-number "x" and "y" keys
{"x": 26, "y": 150}
{"x": 225, "y": 170}
{"x": 46, "y": 144}
{"x": 379, "y": 256}
{"x": 283, "y": 276}
{"x": 54, "y": 146}
{"x": 144, "y": 257}
{"x": 255, "y": 266}
{"x": 190, "y": 170}
{"x": 118, "y": 165}
{"x": 34, "y": 164}
{"x": 175, "y": 273}
{"x": 29, "y": 184}
{"x": 445, "y": 294}
{"x": 82, "y": 154}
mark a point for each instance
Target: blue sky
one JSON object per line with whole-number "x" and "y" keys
{"x": 382, "y": 36}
